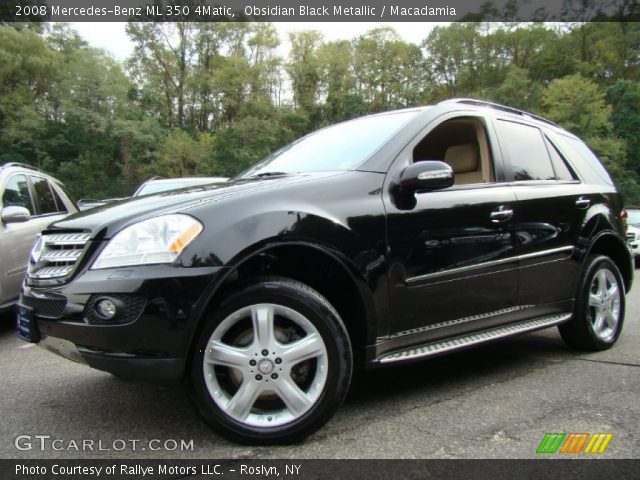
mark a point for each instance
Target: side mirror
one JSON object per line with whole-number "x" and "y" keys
{"x": 15, "y": 215}
{"x": 426, "y": 175}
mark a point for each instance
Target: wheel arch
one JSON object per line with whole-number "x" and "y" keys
{"x": 610, "y": 244}
{"x": 337, "y": 280}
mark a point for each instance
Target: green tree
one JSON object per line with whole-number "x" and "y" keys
{"x": 304, "y": 68}
{"x": 578, "y": 105}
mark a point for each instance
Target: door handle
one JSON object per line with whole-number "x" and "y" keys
{"x": 583, "y": 202}
{"x": 501, "y": 214}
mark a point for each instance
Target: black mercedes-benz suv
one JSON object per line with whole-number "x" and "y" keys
{"x": 386, "y": 239}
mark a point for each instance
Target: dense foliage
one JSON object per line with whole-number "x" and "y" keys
{"x": 212, "y": 98}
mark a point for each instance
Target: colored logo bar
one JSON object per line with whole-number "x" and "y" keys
{"x": 560, "y": 442}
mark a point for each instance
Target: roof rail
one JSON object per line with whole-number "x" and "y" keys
{"x": 18, "y": 164}
{"x": 497, "y": 106}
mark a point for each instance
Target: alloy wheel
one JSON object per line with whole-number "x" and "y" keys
{"x": 604, "y": 304}
{"x": 265, "y": 365}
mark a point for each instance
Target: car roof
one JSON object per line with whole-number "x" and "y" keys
{"x": 472, "y": 104}
{"x": 30, "y": 169}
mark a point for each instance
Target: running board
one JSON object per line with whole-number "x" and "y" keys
{"x": 471, "y": 339}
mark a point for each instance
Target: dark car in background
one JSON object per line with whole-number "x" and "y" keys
{"x": 383, "y": 240}
{"x": 29, "y": 201}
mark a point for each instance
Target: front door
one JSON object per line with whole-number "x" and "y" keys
{"x": 451, "y": 252}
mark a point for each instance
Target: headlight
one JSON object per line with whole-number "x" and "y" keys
{"x": 157, "y": 240}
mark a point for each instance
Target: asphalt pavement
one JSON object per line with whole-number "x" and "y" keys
{"x": 496, "y": 401}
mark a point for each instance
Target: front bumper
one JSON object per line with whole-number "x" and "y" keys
{"x": 149, "y": 337}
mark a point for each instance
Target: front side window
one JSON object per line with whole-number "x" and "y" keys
{"x": 462, "y": 144}
{"x": 16, "y": 193}
{"x": 527, "y": 153}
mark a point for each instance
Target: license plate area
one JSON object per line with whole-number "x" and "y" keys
{"x": 26, "y": 325}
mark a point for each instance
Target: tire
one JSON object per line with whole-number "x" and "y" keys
{"x": 280, "y": 385}
{"x": 636, "y": 262}
{"x": 599, "y": 307}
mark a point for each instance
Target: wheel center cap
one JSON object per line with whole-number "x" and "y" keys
{"x": 265, "y": 366}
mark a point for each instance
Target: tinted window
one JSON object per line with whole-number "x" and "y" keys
{"x": 339, "y": 147}
{"x": 563, "y": 172}
{"x": 583, "y": 159}
{"x": 16, "y": 193}
{"x": 526, "y": 151}
{"x": 61, "y": 206}
{"x": 44, "y": 195}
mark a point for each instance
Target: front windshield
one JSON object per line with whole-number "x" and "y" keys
{"x": 339, "y": 147}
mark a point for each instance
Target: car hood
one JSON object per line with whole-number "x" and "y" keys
{"x": 104, "y": 221}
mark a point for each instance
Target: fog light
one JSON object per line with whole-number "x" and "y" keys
{"x": 106, "y": 309}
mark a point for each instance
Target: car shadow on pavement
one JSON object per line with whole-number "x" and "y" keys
{"x": 7, "y": 321}
{"x": 105, "y": 407}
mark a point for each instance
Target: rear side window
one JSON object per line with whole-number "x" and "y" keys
{"x": 45, "y": 196}
{"x": 526, "y": 151}
{"x": 16, "y": 193}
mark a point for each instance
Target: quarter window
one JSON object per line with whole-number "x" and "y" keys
{"x": 61, "y": 206}
{"x": 563, "y": 172}
{"x": 526, "y": 151}
{"x": 16, "y": 193}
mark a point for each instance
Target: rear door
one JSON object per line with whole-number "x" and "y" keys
{"x": 549, "y": 214}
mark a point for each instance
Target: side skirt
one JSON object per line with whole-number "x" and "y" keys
{"x": 471, "y": 339}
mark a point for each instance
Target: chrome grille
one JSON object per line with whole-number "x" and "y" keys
{"x": 631, "y": 236}
{"x": 56, "y": 255}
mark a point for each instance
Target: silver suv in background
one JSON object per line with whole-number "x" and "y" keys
{"x": 633, "y": 234}
{"x": 29, "y": 201}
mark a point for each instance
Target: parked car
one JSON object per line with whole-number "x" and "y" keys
{"x": 157, "y": 184}
{"x": 89, "y": 203}
{"x": 383, "y": 240}
{"x": 633, "y": 234}
{"x": 29, "y": 201}
{"x": 154, "y": 185}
